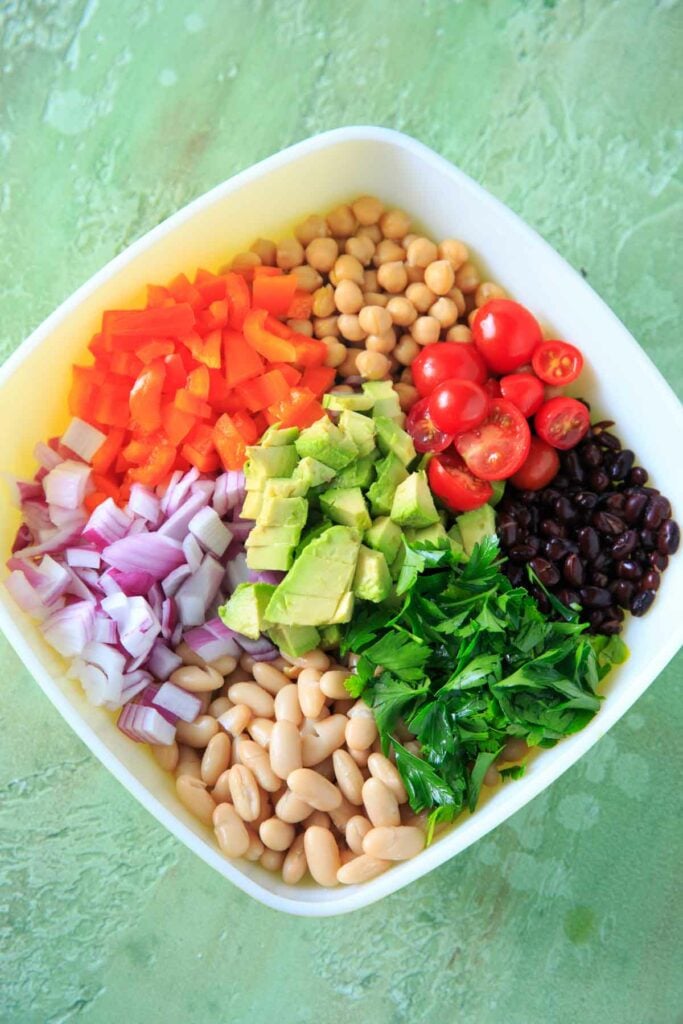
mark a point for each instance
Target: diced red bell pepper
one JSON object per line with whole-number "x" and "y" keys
{"x": 125, "y": 328}
{"x": 111, "y": 406}
{"x": 289, "y": 372}
{"x": 154, "y": 350}
{"x": 301, "y": 306}
{"x": 263, "y": 391}
{"x": 157, "y": 296}
{"x": 273, "y": 293}
{"x": 182, "y": 290}
{"x": 190, "y": 403}
{"x": 264, "y": 341}
{"x": 175, "y": 423}
{"x": 85, "y": 383}
{"x": 239, "y": 299}
{"x": 300, "y": 409}
{"x": 309, "y": 351}
{"x": 240, "y": 360}
{"x": 176, "y": 374}
{"x": 145, "y": 397}
{"x": 157, "y": 467}
{"x": 205, "y": 350}
{"x": 136, "y": 452}
{"x": 106, "y": 454}
{"x": 229, "y": 443}
{"x": 198, "y": 382}
{"x": 92, "y": 500}
{"x": 210, "y": 287}
{"x": 199, "y": 449}
{"x": 265, "y": 271}
{"x": 246, "y": 426}
{"x": 318, "y": 379}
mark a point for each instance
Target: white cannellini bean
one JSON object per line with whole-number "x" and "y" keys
{"x": 361, "y": 869}
{"x": 216, "y": 758}
{"x": 393, "y": 843}
{"x": 311, "y": 697}
{"x": 294, "y": 866}
{"x": 285, "y": 749}
{"x": 361, "y": 732}
{"x": 245, "y": 793}
{"x": 332, "y": 683}
{"x": 254, "y": 696}
{"x": 357, "y": 828}
{"x": 260, "y": 730}
{"x": 322, "y": 855}
{"x": 197, "y": 733}
{"x": 287, "y": 707}
{"x": 349, "y": 776}
{"x": 329, "y": 735}
{"x": 276, "y": 834}
{"x": 236, "y": 720}
{"x": 221, "y": 790}
{"x": 314, "y": 789}
{"x": 193, "y": 795}
{"x": 255, "y": 849}
{"x": 269, "y": 677}
{"x": 381, "y": 768}
{"x": 380, "y": 803}
{"x": 291, "y": 808}
{"x": 230, "y": 831}
{"x": 195, "y": 679}
{"x": 256, "y": 758}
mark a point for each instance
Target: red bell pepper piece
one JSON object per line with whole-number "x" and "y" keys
{"x": 125, "y": 328}
{"x": 106, "y": 454}
{"x": 263, "y": 391}
{"x": 289, "y": 372}
{"x": 265, "y": 341}
{"x": 158, "y": 466}
{"x": 299, "y": 409}
{"x": 154, "y": 350}
{"x": 301, "y": 306}
{"x": 187, "y": 402}
{"x": 239, "y": 299}
{"x": 198, "y": 382}
{"x": 145, "y": 398}
{"x": 246, "y": 426}
{"x": 176, "y": 423}
{"x": 309, "y": 351}
{"x": 273, "y": 293}
{"x": 318, "y": 379}
{"x": 229, "y": 443}
{"x": 240, "y": 360}
{"x": 200, "y": 451}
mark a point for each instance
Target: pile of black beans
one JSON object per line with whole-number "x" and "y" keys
{"x": 597, "y": 536}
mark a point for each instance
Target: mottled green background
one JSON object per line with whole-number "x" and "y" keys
{"x": 113, "y": 114}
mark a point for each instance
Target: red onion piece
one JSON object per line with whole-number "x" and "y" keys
{"x": 178, "y": 702}
{"x": 151, "y": 553}
{"x": 69, "y": 629}
{"x": 107, "y": 524}
{"x": 83, "y": 439}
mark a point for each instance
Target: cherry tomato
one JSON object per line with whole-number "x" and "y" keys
{"x": 444, "y": 360}
{"x": 557, "y": 362}
{"x": 458, "y": 405}
{"x": 524, "y": 390}
{"x": 450, "y": 479}
{"x": 497, "y": 447}
{"x": 425, "y": 434}
{"x": 562, "y": 422}
{"x": 540, "y": 467}
{"x": 492, "y": 388}
{"x": 506, "y": 334}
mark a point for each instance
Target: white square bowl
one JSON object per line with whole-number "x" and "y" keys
{"x": 267, "y": 200}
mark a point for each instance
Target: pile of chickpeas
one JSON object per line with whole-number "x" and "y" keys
{"x": 287, "y": 769}
{"x": 380, "y": 291}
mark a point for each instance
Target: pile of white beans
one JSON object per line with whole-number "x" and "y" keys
{"x": 287, "y": 770}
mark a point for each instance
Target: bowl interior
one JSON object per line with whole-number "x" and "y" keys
{"x": 267, "y": 201}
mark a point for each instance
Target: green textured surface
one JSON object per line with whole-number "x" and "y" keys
{"x": 113, "y": 114}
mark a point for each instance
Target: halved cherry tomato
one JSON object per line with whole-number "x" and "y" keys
{"x": 506, "y": 334}
{"x": 524, "y": 390}
{"x": 497, "y": 447}
{"x": 451, "y": 480}
{"x": 557, "y": 362}
{"x": 492, "y": 388}
{"x": 562, "y": 422}
{"x": 541, "y": 466}
{"x": 445, "y": 360}
{"x": 458, "y": 405}
{"x": 425, "y": 434}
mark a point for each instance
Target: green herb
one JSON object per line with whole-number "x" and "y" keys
{"x": 464, "y": 661}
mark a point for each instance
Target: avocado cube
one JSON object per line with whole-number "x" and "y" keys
{"x": 326, "y": 443}
{"x": 413, "y": 504}
{"x": 360, "y": 473}
{"x": 357, "y": 402}
{"x": 274, "y": 556}
{"x": 346, "y": 506}
{"x": 313, "y": 473}
{"x": 344, "y": 609}
{"x": 285, "y": 487}
{"x": 275, "y": 436}
{"x": 397, "y": 564}
{"x": 475, "y": 525}
{"x": 361, "y": 429}
{"x": 244, "y": 610}
{"x": 390, "y": 473}
{"x": 330, "y": 637}
{"x": 455, "y": 540}
{"x": 385, "y": 399}
{"x": 283, "y": 511}
{"x": 294, "y": 640}
{"x": 384, "y": 536}
{"x": 264, "y": 463}
{"x": 372, "y": 581}
{"x": 262, "y": 536}
{"x": 435, "y": 534}
{"x": 390, "y": 438}
{"x": 252, "y": 505}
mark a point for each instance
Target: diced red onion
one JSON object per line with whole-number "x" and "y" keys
{"x": 237, "y": 572}
{"x": 36, "y": 515}
{"x": 134, "y": 582}
{"x": 22, "y": 539}
{"x": 178, "y": 702}
{"x": 208, "y": 645}
{"x": 109, "y": 585}
{"x": 193, "y": 552}
{"x": 99, "y": 688}
{"x": 105, "y": 631}
{"x": 146, "y": 698}
{"x": 68, "y": 517}
{"x": 203, "y": 487}
{"x": 272, "y": 576}
{"x": 25, "y": 595}
{"x": 23, "y": 490}
{"x": 67, "y": 484}
{"x": 54, "y": 580}
{"x": 211, "y": 533}
{"x": 176, "y": 526}
{"x": 170, "y": 583}
{"x": 91, "y": 578}
{"x": 196, "y": 593}
{"x": 83, "y": 439}
{"x": 260, "y": 650}
{"x": 150, "y": 553}
{"x": 56, "y": 541}
{"x": 169, "y": 619}
{"x": 175, "y": 495}
{"x": 240, "y": 529}
{"x": 162, "y": 660}
{"x": 134, "y": 682}
{"x": 46, "y": 456}
{"x": 144, "y": 503}
{"x": 146, "y": 725}
{"x": 176, "y": 635}
{"x": 69, "y": 629}
{"x": 138, "y": 627}
{"x": 219, "y": 501}
{"x": 77, "y": 587}
{"x": 82, "y": 558}
{"x": 155, "y": 596}
{"x": 107, "y": 524}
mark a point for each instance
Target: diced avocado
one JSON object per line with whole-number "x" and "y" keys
{"x": 252, "y": 505}
{"x": 294, "y": 640}
{"x": 434, "y": 534}
{"x": 344, "y": 609}
{"x": 372, "y": 581}
{"x": 244, "y": 610}
{"x": 413, "y": 504}
{"x": 498, "y": 487}
{"x": 361, "y": 429}
{"x": 384, "y": 536}
{"x": 338, "y": 403}
{"x": 273, "y": 556}
{"x": 390, "y": 473}
{"x": 284, "y": 487}
{"x": 276, "y": 436}
{"x": 262, "y": 536}
{"x": 330, "y": 637}
{"x": 385, "y": 399}
{"x": 390, "y": 438}
{"x": 326, "y": 443}
{"x": 314, "y": 530}
{"x": 360, "y": 473}
{"x": 283, "y": 511}
{"x": 346, "y": 506}
{"x": 397, "y": 564}
{"x": 455, "y": 537}
{"x": 475, "y": 525}
{"x": 321, "y": 575}
{"x": 313, "y": 473}
{"x": 263, "y": 463}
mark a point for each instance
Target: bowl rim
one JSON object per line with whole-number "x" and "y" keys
{"x": 487, "y": 817}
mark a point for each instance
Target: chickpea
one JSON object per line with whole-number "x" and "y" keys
{"x": 348, "y": 297}
{"x": 246, "y": 260}
{"x": 349, "y": 368}
{"x": 439, "y": 276}
{"x": 395, "y": 224}
{"x": 458, "y": 299}
{"x": 388, "y": 251}
{"x": 290, "y": 254}
{"x": 362, "y": 248}
{"x": 325, "y": 326}
{"x": 421, "y": 297}
{"x": 426, "y": 330}
{"x": 467, "y": 278}
{"x": 454, "y": 251}
{"x": 372, "y": 365}
{"x": 401, "y": 311}
{"x": 410, "y": 237}
{"x": 420, "y": 252}
{"x": 307, "y": 279}
{"x": 471, "y": 316}
{"x": 407, "y": 396}
{"x": 336, "y": 352}
{"x": 392, "y": 277}
{"x": 406, "y": 350}
{"x": 265, "y": 250}
{"x": 384, "y": 343}
{"x": 415, "y": 274}
{"x": 445, "y": 311}
{"x": 314, "y": 226}
{"x": 323, "y": 301}
{"x": 375, "y": 298}
{"x": 342, "y": 222}
{"x": 486, "y": 291}
{"x": 372, "y": 232}
{"x": 459, "y": 333}
{"x": 301, "y": 327}
{"x": 321, "y": 254}
{"x": 374, "y": 319}
{"x": 370, "y": 282}
{"x": 367, "y": 209}
{"x": 350, "y": 328}
{"x": 348, "y": 268}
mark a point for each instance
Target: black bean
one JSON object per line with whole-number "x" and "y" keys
{"x": 596, "y": 619}
{"x": 607, "y": 522}
{"x": 650, "y": 580}
{"x": 621, "y": 464}
{"x": 548, "y": 495}
{"x": 634, "y": 508}
{"x": 589, "y": 542}
{"x": 598, "y": 480}
{"x": 542, "y": 600}
{"x": 638, "y": 476}
{"x": 551, "y": 528}
{"x": 622, "y": 591}
{"x": 561, "y": 482}
{"x": 614, "y": 502}
{"x": 524, "y": 517}
{"x": 508, "y": 530}
{"x": 547, "y": 573}
{"x": 602, "y": 425}
{"x": 521, "y": 553}
{"x": 657, "y": 560}
{"x": 648, "y": 540}
{"x": 573, "y": 570}
{"x": 628, "y": 569}
{"x": 625, "y": 544}
{"x": 599, "y": 579}
{"x": 595, "y": 597}
{"x": 585, "y": 500}
{"x": 516, "y": 575}
{"x": 668, "y": 537}
{"x": 610, "y": 627}
{"x": 564, "y": 510}
{"x": 602, "y": 562}
{"x": 591, "y": 455}
{"x": 658, "y": 509}
{"x": 557, "y": 548}
{"x": 568, "y": 597}
{"x": 573, "y": 467}
{"x": 526, "y": 497}
{"x": 607, "y": 440}
{"x": 642, "y": 601}
{"x": 648, "y": 490}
